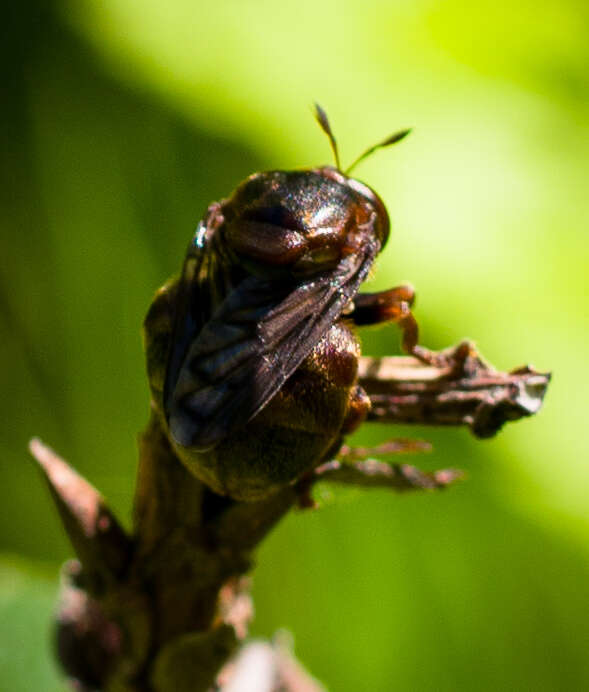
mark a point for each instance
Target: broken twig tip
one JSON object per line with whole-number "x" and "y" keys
{"x": 445, "y": 477}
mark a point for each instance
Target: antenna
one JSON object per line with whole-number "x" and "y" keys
{"x": 321, "y": 116}
{"x": 393, "y": 139}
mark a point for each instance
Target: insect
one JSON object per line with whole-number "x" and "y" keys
{"x": 252, "y": 354}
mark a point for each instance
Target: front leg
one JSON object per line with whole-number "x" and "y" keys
{"x": 394, "y": 305}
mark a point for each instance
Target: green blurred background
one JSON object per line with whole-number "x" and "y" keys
{"x": 123, "y": 119}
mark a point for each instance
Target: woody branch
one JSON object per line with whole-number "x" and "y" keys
{"x": 165, "y": 608}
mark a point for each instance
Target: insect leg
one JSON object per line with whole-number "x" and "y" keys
{"x": 385, "y": 306}
{"x": 394, "y": 306}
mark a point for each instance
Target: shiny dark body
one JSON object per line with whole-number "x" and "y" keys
{"x": 251, "y": 356}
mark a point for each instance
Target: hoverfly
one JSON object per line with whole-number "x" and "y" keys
{"x": 252, "y": 355}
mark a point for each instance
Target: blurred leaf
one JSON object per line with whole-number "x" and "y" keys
{"x": 27, "y": 602}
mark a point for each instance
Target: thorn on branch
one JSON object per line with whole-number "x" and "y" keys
{"x": 101, "y": 544}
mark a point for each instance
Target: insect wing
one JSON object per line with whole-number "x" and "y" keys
{"x": 254, "y": 341}
{"x": 203, "y": 285}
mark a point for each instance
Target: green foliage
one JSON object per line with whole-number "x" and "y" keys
{"x": 123, "y": 119}
{"x": 27, "y": 602}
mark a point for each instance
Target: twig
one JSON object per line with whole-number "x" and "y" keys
{"x": 371, "y": 473}
{"x": 467, "y": 391}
